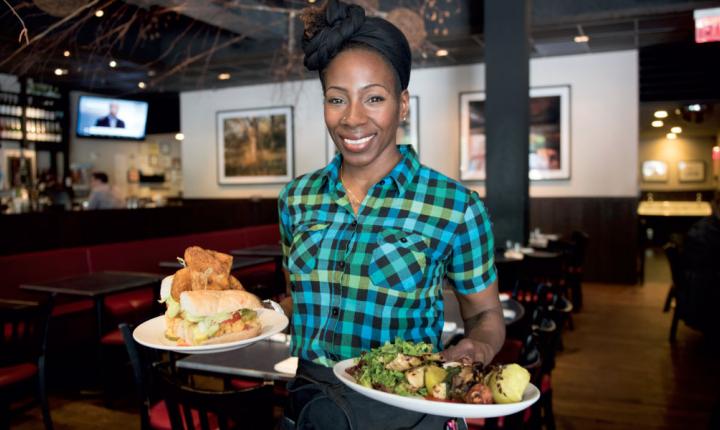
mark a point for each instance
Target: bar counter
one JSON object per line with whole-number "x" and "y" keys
{"x": 36, "y": 231}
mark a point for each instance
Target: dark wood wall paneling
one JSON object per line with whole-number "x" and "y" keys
{"x": 51, "y": 230}
{"x": 611, "y": 222}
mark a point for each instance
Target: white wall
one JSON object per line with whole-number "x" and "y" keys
{"x": 674, "y": 151}
{"x": 604, "y": 124}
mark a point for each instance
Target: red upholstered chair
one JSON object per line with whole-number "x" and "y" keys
{"x": 23, "y": 334}
{"x": 153, "y": 413}
{"x": 25, "y": 268}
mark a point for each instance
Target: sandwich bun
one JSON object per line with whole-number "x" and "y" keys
{"x": 250, "y": 331}
{"x": 212, "y": 302}
{"x": 166, "y": 287}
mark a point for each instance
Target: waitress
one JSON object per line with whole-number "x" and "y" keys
{"x": 370, "y": 239}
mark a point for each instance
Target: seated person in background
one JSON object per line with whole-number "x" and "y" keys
{"x": 101, "y": 194}
{"x": 701, "y": 255}
{"x": 702, "y": 244}
{"x": 111, "y": 120}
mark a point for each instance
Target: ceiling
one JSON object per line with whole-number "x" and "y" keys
{"x": 179, "y": 45}
{"x": 698, "y": 125}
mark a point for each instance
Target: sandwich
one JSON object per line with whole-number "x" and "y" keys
{"x": 205, "y": 303}
{"x": 204, "y": 317}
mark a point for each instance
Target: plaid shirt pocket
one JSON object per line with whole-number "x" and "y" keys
{"x": 399, "y": 260}
{"x": 304, "y": 249}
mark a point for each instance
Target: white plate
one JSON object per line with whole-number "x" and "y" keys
{"x": 151, "y": 333}
{"x": 445, "y": 409}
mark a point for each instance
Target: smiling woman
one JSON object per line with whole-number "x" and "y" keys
{"x": 369, "y": 240}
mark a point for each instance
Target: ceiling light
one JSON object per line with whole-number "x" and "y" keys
{"x": 179, "y": 136}
{"x": 582, "y": 38}
{"x": 671, "y": 136}
{"x": 694, "y": 108}
{"x": 661, "y": 114}
{"x": 99, "y": 13}
{"x": 151, "y": 73}
{"x": 60, "y": 72}
{"x": 657, "y": 123}
{"x": 224, "y": 76}
{"x": 676, "y": 130}
{"x": 141, "y": 85}
{"x": 66, "y": 54}
{"x": 441, "y": 52}
{"x": 311, "y": 1}
{"x": 112, "y": 63}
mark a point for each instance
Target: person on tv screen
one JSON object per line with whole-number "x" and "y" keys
{"x": 111, "y": 119}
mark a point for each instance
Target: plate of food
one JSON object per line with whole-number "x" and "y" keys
{"x": 207, "y": 310}
{"x": 410, "y": 376}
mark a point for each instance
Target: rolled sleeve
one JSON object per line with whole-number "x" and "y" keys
{"x": 471, "y": 266}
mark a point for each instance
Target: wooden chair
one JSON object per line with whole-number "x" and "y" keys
{"x": 576, "y": 266}
{"x": 672, "y": 252}
{"x": 23, "y": 341}
{"x": 168, "y": 401}
{"x": 250, "y": 408}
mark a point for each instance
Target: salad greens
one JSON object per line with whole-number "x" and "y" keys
{"x": 384, "y": 367}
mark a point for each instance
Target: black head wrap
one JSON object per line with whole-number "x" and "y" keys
{"x": 346, "y": 24}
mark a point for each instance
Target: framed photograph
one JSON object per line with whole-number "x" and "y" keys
{"x": 654, "y": 171}
{"x": 408, "y": 132}
{"x": 255, "y": 146}
{"x": 691, "y": 171}
{"x": 549, "y": 140}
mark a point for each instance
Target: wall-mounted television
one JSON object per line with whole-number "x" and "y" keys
{"x": 103, "y": 117}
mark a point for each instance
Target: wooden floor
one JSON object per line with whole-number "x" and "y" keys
{"x": 618, "y": 370}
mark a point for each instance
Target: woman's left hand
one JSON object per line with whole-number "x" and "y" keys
{"x": 469, "y": 351}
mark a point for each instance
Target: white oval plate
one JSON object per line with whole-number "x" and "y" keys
{"x": 151, "y": 333}
{"x": 445, "y": 409}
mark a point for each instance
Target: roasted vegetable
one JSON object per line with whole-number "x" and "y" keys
{"x": 416, "y": 377}
{"x": 508, "y": 383}
{"x": 479, "y": 394}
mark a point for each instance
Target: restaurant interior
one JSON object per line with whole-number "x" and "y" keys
{"x": 131, "y": 130}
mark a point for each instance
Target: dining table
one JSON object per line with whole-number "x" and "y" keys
{"x": 239, "y": 262}
{"x": 96, "y": 286}
{"x": 271, "y": 250}
{"x": 269, "y": 358}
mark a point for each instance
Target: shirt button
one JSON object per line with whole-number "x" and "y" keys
{"x": 354, "y": 223}
{"x": 335, "y": 312}
{"x": 341, "y": 264}
{"x": 403, "y": 239}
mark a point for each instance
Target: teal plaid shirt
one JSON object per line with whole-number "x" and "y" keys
{"x": 358, "y": 281}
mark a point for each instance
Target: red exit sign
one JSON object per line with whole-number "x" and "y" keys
{"x": 707, "y": 25}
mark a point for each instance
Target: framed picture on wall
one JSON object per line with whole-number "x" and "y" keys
{"x": 691, "y": 171}
{"x": 255, "y": 146}
{"x": 408, "y": 132}
{"x": 654, "y": 171}
{"x": 549, "y": 140}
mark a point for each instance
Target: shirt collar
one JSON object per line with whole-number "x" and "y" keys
{"x": 401, "y": 175}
